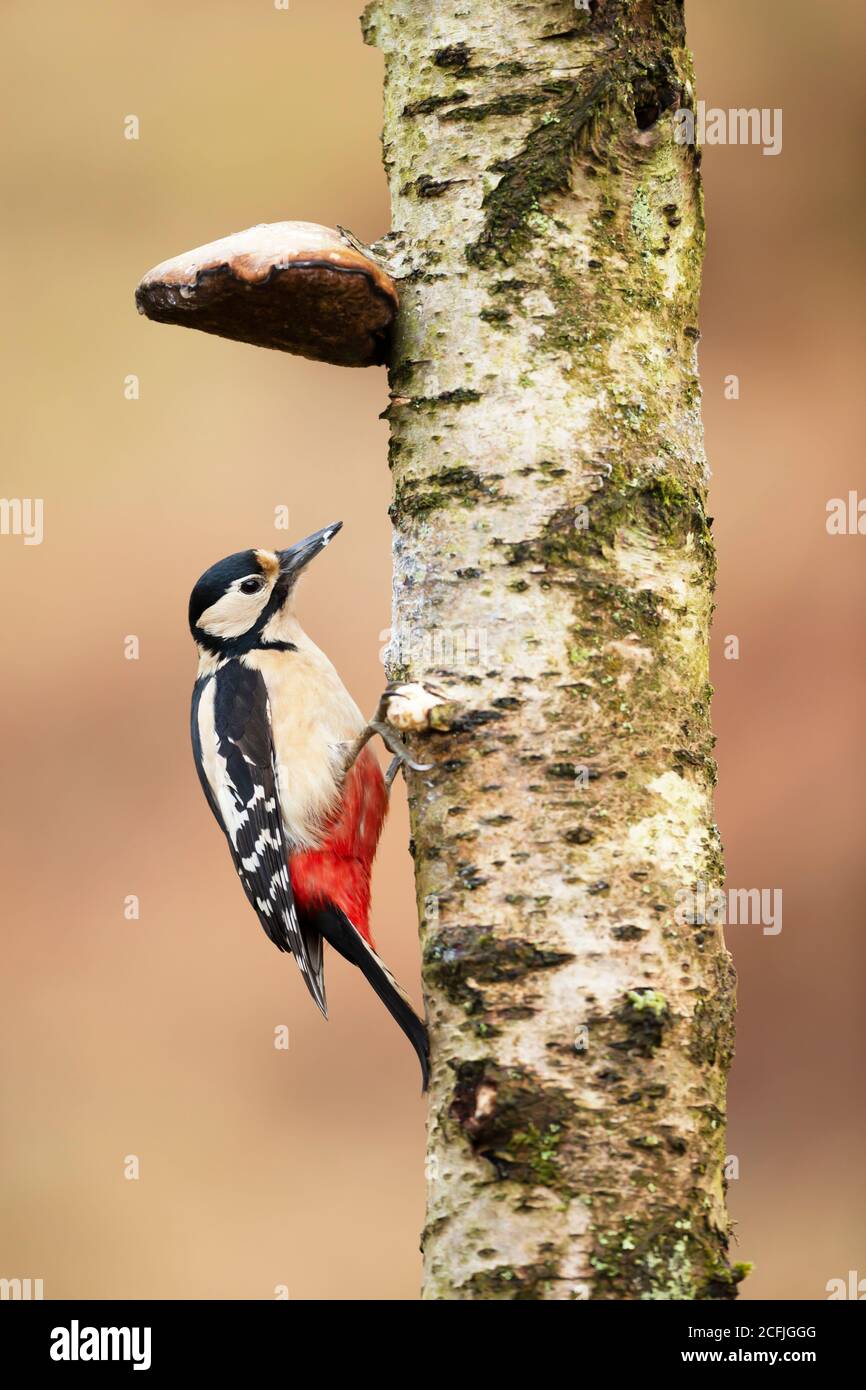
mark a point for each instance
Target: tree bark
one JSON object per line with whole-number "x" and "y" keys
{"x": 553, "y": 574}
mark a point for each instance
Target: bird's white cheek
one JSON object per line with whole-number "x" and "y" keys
{"x": 233, "y": 614}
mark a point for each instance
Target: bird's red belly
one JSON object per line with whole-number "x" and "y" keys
{"x": 338, "y": 872}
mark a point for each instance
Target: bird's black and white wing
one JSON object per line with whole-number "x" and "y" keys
{"x": 234, "y": 755}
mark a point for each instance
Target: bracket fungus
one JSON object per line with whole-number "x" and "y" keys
{"x": 294, "y": 286}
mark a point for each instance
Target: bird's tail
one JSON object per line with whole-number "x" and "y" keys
{"x": 339, "y": 932}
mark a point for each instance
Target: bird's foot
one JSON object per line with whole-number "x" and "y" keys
{"x": 396, "y": 746}
{"x": 408, "y": 706}
{"x": 405, "y": 707}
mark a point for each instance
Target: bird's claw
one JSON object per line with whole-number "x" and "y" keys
{"x": 397, "y": 747}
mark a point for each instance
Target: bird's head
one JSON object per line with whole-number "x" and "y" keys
{"x": 235, "y": 600}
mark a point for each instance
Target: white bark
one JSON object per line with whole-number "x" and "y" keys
{"x": 553, "y": 575}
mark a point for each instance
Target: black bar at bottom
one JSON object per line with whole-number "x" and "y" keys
{"x": 68, "y": 1338}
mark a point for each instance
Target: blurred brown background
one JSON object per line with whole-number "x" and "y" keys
{"x": 155, "y": 1037}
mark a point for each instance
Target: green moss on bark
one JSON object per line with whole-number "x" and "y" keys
{"x": 458, "y": 485}
{"x": 516, "y": 1283}
{"x": 645, "y": 1017}
{"x": 661, "y": 506}
{"x": 460, "y": 960}
{"x": 668, "y": 1257}
{"x": 512, "y": 1119}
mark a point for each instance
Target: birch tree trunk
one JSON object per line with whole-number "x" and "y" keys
{"x": 553, "y": 573}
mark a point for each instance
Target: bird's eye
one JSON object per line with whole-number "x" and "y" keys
{"x": 251, "y": 586}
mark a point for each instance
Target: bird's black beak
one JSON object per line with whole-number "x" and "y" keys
{"x": 293, "y": 560}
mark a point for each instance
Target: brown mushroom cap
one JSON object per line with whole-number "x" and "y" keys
{"x": 288, "y": 285}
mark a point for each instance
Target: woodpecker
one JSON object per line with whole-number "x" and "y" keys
{"x": 283, "y": 757}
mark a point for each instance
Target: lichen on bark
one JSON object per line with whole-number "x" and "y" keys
{"x": 550, "y": 520}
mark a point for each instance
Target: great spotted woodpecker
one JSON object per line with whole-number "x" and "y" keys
{"x": 282, "y": 754}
